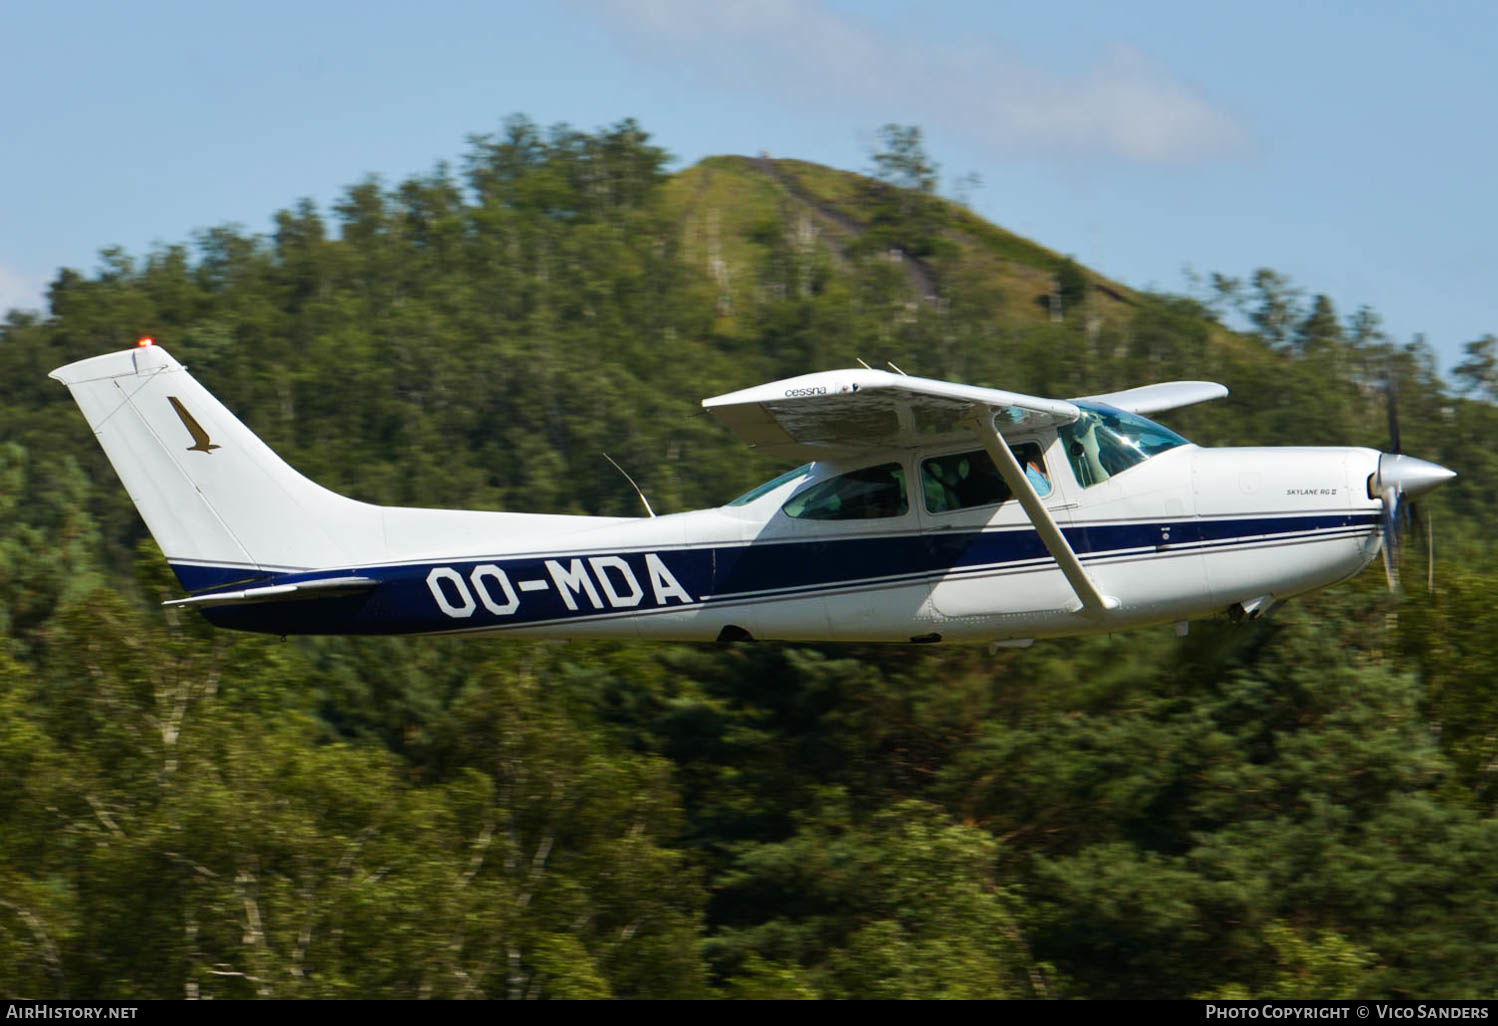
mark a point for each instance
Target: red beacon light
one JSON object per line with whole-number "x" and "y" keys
{"x": 145, "y": 341}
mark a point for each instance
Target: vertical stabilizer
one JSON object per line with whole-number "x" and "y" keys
{"x": 215, "y": 497}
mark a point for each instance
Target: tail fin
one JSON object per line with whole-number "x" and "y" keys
{"x": 218, "y": 501}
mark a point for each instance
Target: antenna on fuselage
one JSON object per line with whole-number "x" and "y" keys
{"x": 631, "y": 484}
{"x": 862, "y": 364}
{"x": 896, "y": 369}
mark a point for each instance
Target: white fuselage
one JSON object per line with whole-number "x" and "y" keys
{"x": 1189, "y": 533}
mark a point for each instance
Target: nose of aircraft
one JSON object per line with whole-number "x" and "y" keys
{"x": 1409, "y": 476}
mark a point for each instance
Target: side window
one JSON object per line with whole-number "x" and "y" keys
{"x": 770, "y": 486}
{"x": 861, "y": 495}
{"x": 965, "y": 480}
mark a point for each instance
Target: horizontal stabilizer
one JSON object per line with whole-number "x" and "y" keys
{"x": 326, "y": 587}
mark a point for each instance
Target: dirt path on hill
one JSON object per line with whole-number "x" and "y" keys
{"x": 841, "y": 227}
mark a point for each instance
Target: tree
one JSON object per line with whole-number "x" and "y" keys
{"x": 903, "y": 161}
{"x": 1478, "y": 373}
{"x": 901, "y": 906}
{"x": 1277, "y": 306}
{"x": 906, "y": 212}
{"x": 1320, "y": 329}
{"x": 1071, "y": 283}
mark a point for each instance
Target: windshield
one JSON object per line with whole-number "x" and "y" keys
{"x": 1104, "y": 442}
{"x": 770, "y": 486}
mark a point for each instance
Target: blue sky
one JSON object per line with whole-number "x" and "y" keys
{"x": 1349, "y": 145}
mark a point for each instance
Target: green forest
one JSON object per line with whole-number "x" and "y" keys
{"x": 1303, "y": 806}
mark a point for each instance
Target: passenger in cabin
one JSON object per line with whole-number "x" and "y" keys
{"x": 1036, "y": 473}
{"x": 967, "y": 480}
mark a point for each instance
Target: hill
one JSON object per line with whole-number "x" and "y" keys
{"x": 1299, "y": 807}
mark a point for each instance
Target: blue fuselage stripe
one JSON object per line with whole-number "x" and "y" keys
{"x": 615, "y": 583}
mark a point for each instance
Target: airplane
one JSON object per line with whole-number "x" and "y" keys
{"x": 924, "y": 511}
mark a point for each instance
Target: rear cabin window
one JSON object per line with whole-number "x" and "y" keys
{"x": 865, "y": 494}
{"x": 965, "y": 480}
{"x": 771, "y": 485}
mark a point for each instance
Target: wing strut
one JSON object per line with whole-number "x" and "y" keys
{"x": 1094, "y": 602}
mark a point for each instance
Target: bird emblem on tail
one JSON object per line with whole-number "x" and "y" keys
{"x": 201, "y": 442}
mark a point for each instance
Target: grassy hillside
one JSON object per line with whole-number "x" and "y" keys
{"x": 734, "y": 210}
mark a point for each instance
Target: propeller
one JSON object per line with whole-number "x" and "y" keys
{"x": 1397, "y": 481}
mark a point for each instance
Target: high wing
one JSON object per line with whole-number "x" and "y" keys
{"x": 832, "y": 413}
{"x": 840, "y": 412}
{"x": 1167, "y": 395}
{"x": 835, "y": 413}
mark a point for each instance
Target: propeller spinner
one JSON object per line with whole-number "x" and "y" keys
{"x": 1399, "y": 478}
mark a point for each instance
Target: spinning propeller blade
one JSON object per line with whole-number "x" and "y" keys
{"x": 1391, "y": 409}
{"x": 1399, "y": 479}
{"x": 1390, "y": 528}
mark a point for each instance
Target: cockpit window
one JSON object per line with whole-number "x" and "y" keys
{"x": 1104, "y": 442}
{"x": 770, "y": 486}
{"x": 964, "y": 480}
{"x": 860, "y": 495}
